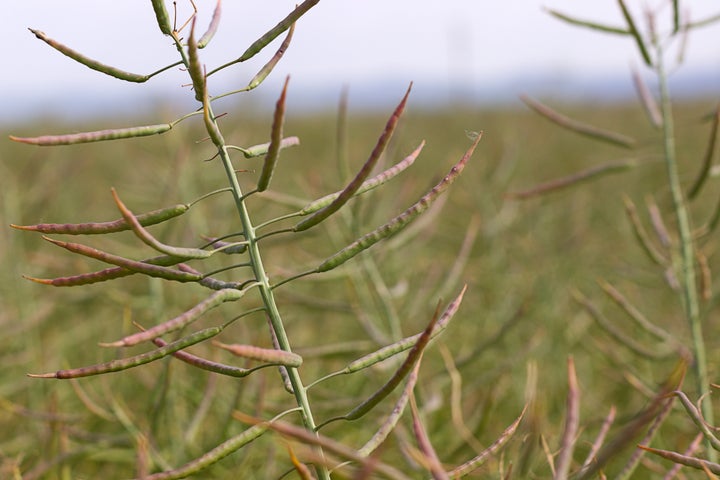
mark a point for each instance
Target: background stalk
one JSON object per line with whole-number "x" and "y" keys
{"x": 686, "y": 270}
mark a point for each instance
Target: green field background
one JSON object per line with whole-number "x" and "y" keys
{"x": 510, "y": 339}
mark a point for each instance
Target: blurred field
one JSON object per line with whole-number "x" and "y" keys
{"x": 523, "y": 260}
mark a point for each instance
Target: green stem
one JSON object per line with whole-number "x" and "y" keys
{"x": 687, "y": 253}
{"x": 250, "y": 234}
{"x": 267, "y": 295}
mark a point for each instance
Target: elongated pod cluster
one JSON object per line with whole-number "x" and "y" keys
{"x": 229, "y": 268}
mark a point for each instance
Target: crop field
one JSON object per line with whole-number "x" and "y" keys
{"x": 240, "y": 290}
{"x": 529, "y": 264}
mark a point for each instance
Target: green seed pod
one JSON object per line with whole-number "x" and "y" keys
{"x": 205, "y": 364}
{"x": 642, "y": 236}
{"x": 161, "y": 14}
{"x": 367, "y": 185}
{"x": 97, "y": 136}
{"x": 269, "y": 66}
{"x": 404, "y": 369}
{"x": 573, "y": 179}
{"x": 95, "y": 228}
{"x": 134, "y": 361}
{"x": 636, "y": 34}
{"x": 707, "y": 158}
{"x": 364, "y": 172}
{"x": 210, "y": 124}
{"x": 133, "y": 265}
{"x": 209, "y": 282}
{"x": 103, "y": 275}
{"x": 581, "y": 128}
{"x": 286, "y": 23}
{"x": 213, "y": 456}
{"x": 269, "y": 355}
{"x": 474, "y": 463}
{"x": 262, "y": 149}
{"x": 627, "y": 340}
{"x": 195, "y": 68}
{"x": 587, "y": 24}
{"x": 275, "y": 139}
{"x": 151, "y": 241}
{"x": 640, "y": 319}
{"x": 93, "y": 64}
{"x": 182, "y": 320}
{"x": 391, "y": 421}
{"x": 406, "y": 343}
{"x": 228, "y": 248}
{"x": 382, "y": 354}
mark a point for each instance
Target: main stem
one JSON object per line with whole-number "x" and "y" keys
{"x": 259, "y": 272}
{"x": 687, "y": 251}
{"x": 267, "y": 296}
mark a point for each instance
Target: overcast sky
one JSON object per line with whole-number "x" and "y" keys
{"x": 366, "y": 44}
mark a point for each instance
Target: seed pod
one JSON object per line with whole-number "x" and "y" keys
{"x": 641, "y": 423}
{"x": 268, "y": 355}
{"x": 587, "y": 24}
{"x": 94, "y": 64}
{"x": 97, "y": 136}
{"x": 406, "y": 343}
{"x": 212, "y": 28}
{"x": 391, "y": 421}
{"x": 401, "y": 221}
{"x": 641, "y": 234}
{"x": 578, "y": 127}
{"x": 161, "y": 14}
{"x": 427, "y": 451}
{"x": 269, "y": 66}
{"x": 182, "y": 320}
{"x": 262, "y": 149}
{"x": 284, "y": 24}
{"x": 151, "y": 241}
{"x": 205, "y": 364}
{"x": 707, "y": 158}
{"x": 195, "y": 69}
{"x": 82, "y": 279}
{"x": 647, "y": 99}
{"x": 635, "y": 33}
{"x": 404, "y": 369}
{"x": 275, "y": 140}
{"x": 134, "y": 361}
{"x": 622, "y": 338}
{"x": 209, "y": 282}
{"x": 637, "y": 315}
{"x": 676, "y": 16}
{"x": 133, "y": 265}
{"x": 694, "y": 412}
{"x": 210, "y": 124}
{"x": 573, "y": 179}
{"x": 656, "y": 219}
{"x": 228, "y": 248}
{"x": 120, "y": 225}
{"x": 367, "y": 185}
{"x": 714, "y": 220}
{"x": 212, "y": 456}
{"x": 473, "y": 464}
{"x": 103, "y": 275}
{"x": 356, "y": 182}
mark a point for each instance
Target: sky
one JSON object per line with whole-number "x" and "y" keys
{"x": 455, "y": 50}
